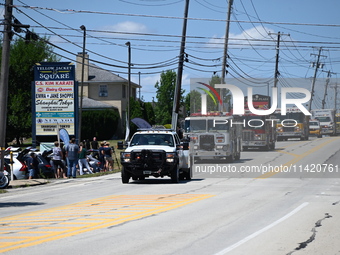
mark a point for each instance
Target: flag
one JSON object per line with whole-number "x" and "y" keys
{"x": 64, "y": 136}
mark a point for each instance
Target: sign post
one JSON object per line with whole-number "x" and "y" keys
{"x": 55, "y": 99}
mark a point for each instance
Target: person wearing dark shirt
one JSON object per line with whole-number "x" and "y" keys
{"x": 107, "y": 152}
{"x": 94, "y": 143}
{"x": 32, "y": 165}
{"x": 101, "y": 156}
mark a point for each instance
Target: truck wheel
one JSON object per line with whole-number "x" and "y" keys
{"x": 188, "y": 174}
{"x": 231, "y": 158}
{"x": 272, "y": 147}
{"x": 125, "y": 176}
{"x": 175, "y": 175}
{"x": 238, "y": 156}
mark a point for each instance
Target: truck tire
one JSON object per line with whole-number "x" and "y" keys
{"x": 125, "y": 176}
{"x": 175, "y": 175}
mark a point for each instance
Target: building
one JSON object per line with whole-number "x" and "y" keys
{"x": 105, "y": 87}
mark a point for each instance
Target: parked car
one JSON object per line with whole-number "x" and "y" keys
{"x": 45, "y": 167}
{"x": 19, "y": 169}
{"x": 315, "y": 128}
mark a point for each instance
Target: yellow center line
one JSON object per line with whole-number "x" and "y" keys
{"x": 93, "y": 215}
{"x": 297, "y": 158}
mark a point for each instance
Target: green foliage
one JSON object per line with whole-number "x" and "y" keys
{"x": 165, "y": 97}
{"x": 149, "y": 114}
{"x": 193, "y": 102}
{"x": 23, "y": 57}
{"x": 100, "y": 123}
{"x": 140, "y": 109}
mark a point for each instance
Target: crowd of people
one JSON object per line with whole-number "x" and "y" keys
{"x": 67, "y": 160}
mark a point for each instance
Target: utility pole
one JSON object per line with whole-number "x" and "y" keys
{"x": 326, "y": 86}
{"x": 4, "y": 77}
{"x": 277, "y": 73}
{"x": 82, "y": 27}
{"x": 127, "y": 134}
{"x": 225, "y": 52}
{"x": 335, "y": 97}
{"x": 177, "y": 94}
{"x": 317, "y": 65}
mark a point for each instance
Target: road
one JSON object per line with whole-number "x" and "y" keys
{"x": 291, "y": 209}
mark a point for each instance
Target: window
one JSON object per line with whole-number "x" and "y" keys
{"x": 103, "y": 91}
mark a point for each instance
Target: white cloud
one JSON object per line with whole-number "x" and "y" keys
{"x": 127, "y": 26}
{"x": 255, "y": 33}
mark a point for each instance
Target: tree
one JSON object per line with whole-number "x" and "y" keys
{"x": 225, "y": 95}
{"x": 23, "y": 56}
{"x": 193, "y": 101}
{"x": 165, "y": 97}
{"x": 108, "y": 119}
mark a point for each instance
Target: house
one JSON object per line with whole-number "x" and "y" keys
{"x": 104, "y": 87}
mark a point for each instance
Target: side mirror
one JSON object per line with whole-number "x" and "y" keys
{"x": 185, "y": 145}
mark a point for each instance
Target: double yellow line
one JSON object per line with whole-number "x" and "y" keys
{"x": 38, "y": 227}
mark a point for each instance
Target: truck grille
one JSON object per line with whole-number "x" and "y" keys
{"x": 247, "y": 135}
{"x": 207, "y": 142}
{"x": 148, "y": 158}
{"x": 288, "y": 129}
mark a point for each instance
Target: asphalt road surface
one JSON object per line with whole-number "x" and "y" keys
{"x": 289, "y": 204}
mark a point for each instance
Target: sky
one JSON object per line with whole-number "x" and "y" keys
{"x": 154, "y": 29}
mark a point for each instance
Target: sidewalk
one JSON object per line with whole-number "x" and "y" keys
{"x": 27, "y": 182}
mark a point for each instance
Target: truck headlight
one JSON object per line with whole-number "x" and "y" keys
{"x": 279, "y": 129}
{"x": 170, "y": 157}
{"x": 258, "y": 137}
{"x": 220, "y": 139}
{"x": 126, "y": 157}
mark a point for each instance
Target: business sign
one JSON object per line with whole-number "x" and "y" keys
{"x": 55, "y": 96}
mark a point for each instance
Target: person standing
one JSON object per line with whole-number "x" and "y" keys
{"x": 88, "y": 144}
{"x": 94, "y": 144}
{"x": 32, "y": 165}
{"x": 107, "y": 152}
{"x": 58, "y": 164}
{"x": 82, "y": 161}
{"x": 72, "y": 150}
{"x": 101, "y": 157}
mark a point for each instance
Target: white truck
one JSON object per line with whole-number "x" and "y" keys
{"x": 214, "y": 137}
{"x": 327, "y": 120}
{"x": 155, "y": 152}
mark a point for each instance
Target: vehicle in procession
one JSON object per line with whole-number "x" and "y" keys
{"x": 315, "y": 128}
{"x": 337, "y": 121}
{"x": 327, "y": 119}
{"x": 157, "y": 153}
{"x": 214, "y": 136}
{"x": 295, "y": 124}
{"x": 259, "y": 132}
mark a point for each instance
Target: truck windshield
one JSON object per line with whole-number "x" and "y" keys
{"x": 153, "y": 139}
{"x": 255, "y": 122}
{"x": 217, "y": 126}
{"x": 196, "y": 126}
{"x": 324, "y": 119}
{"x": 298, "y": 116}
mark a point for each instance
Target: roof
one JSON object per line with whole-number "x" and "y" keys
{"x": 89, "y": 103}
{"x": 97, "y": 74}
